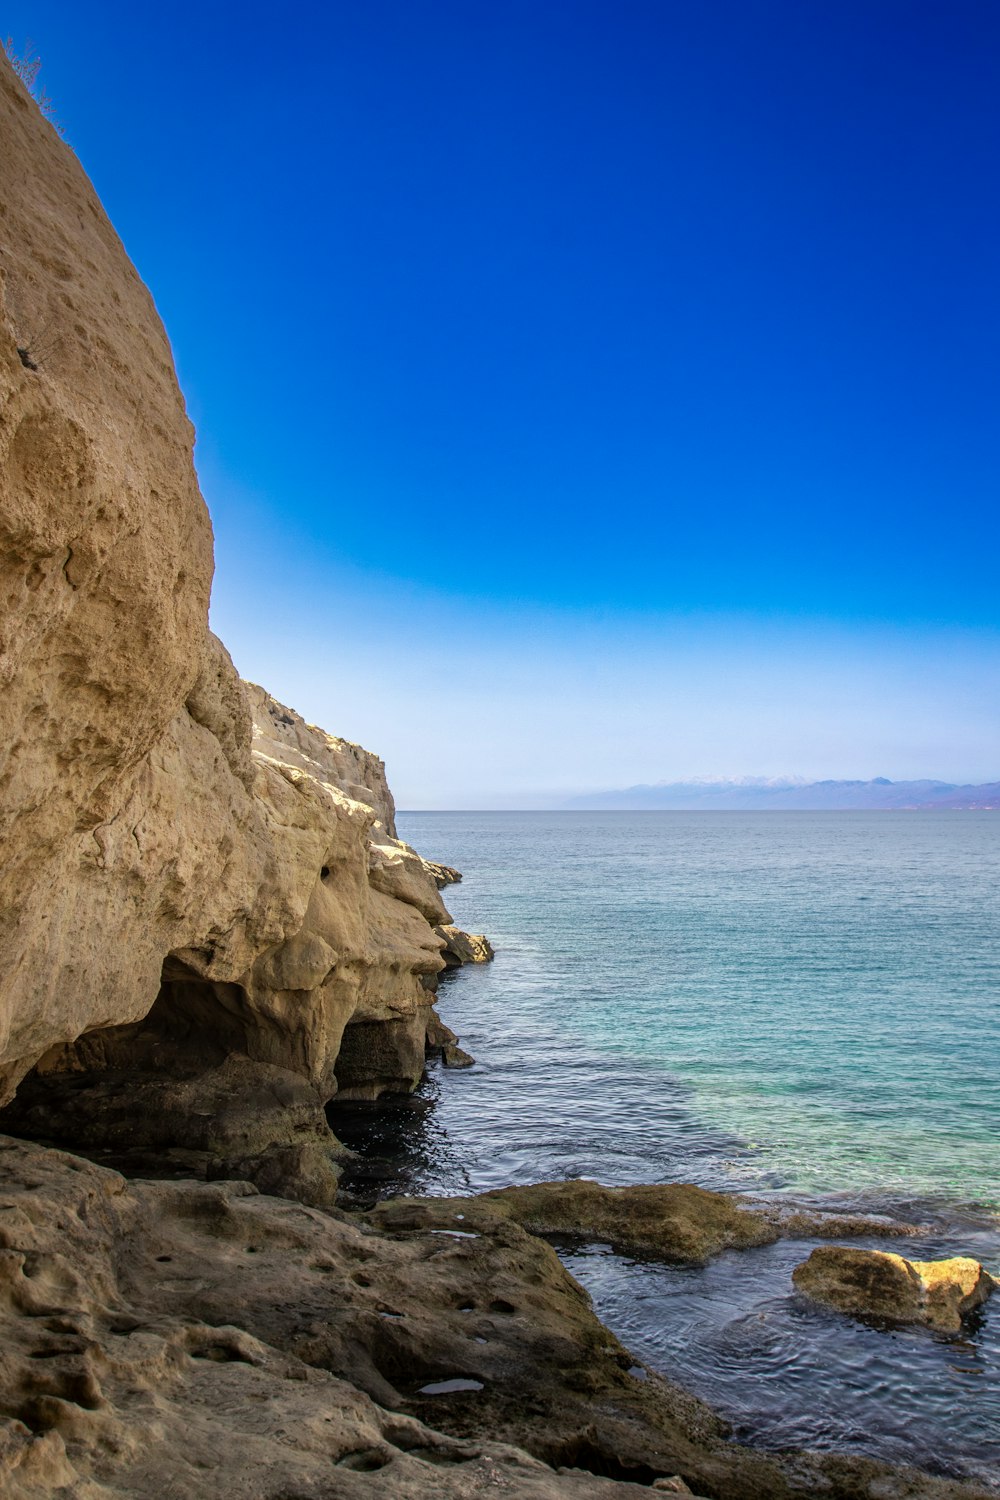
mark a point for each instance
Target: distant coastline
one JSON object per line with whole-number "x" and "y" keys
{"x": 752, "y": 794}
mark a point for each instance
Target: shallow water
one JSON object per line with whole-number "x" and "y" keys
{"x": 789, "y": 1003}
{"x": 790, "y": 1374}
{"x": 818, "y": 992}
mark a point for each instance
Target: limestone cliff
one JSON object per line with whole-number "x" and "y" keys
{"x": 209, "y": 926}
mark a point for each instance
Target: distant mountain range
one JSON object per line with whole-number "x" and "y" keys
{"x": 752, "y": 793}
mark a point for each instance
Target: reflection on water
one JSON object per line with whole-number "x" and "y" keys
{"x": 400, "y": 1146}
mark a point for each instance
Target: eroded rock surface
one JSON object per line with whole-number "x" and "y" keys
{"x": 209, "y": 928}
{"x": 889, "y": 1288}
{"x": 187, "y": 1339}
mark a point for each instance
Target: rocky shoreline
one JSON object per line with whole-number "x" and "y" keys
{"x": 211, "y": 929}
{"x": 166, "y": 1337}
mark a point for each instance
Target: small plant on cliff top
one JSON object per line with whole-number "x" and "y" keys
{"x": 26, "y": 65}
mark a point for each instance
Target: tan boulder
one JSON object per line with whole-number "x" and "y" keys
{"x": 464, "y": 947}
{"x": 880, "y": 1285}
{"x": 953, "y": 1288}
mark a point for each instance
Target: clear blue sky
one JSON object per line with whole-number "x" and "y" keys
{"x": 587, "y": 392}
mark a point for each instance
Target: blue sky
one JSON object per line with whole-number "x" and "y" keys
{"x": 587, "y": 393}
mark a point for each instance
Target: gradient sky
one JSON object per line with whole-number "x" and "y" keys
{"x": 587, "y": 393}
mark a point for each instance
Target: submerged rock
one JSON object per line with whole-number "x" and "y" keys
{"x": 673, "y": 1220}
{"x": 669, "y": 1221}
{"x": 877, "y": 1284}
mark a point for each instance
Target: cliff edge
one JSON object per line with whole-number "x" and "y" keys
{"x": 209, "y": 926}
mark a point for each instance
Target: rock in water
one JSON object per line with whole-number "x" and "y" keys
{"x": 444, "y": 874}
{"x": 878, "y": 1284}
{"x": 464, "y": 947}
{"x": 672, "y": 1221}
{"x": 953, "y": 1288}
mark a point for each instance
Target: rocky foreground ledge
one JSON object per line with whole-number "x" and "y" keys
{"x": 188, "y": 1339}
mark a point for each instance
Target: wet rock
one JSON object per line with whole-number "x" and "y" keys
{"x": 437, "y": 1035}
{"x": 799, "y": 1223}
{"x": 877, "y": 1284}
{"x": 672, "y": 1221}
{"x": 675, "y": 1220}
{"x": 454, "y": 1057}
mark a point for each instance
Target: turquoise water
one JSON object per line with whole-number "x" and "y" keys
{"x": 786, "y": 1004}
{"x": 795, "y": 1004}
{"x": 788, "y": 1000}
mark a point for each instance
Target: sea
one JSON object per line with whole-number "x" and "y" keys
{"x": 791, "y": 1005}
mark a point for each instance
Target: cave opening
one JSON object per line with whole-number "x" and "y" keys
{"x": 129, "y": 1095}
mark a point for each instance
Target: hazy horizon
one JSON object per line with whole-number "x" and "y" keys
{"x": 591, "y": 802}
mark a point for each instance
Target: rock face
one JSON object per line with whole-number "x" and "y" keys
{"x": 194, "y": 1340}
{"x": 875, "y": 1284}
{"x": 203, "y": 897}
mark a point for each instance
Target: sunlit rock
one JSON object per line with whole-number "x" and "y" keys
{"x": 464, "y": 947}
{"x": 877, "y": 1284}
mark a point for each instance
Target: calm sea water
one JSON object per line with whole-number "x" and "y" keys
{"x": 793, "y": 1003}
